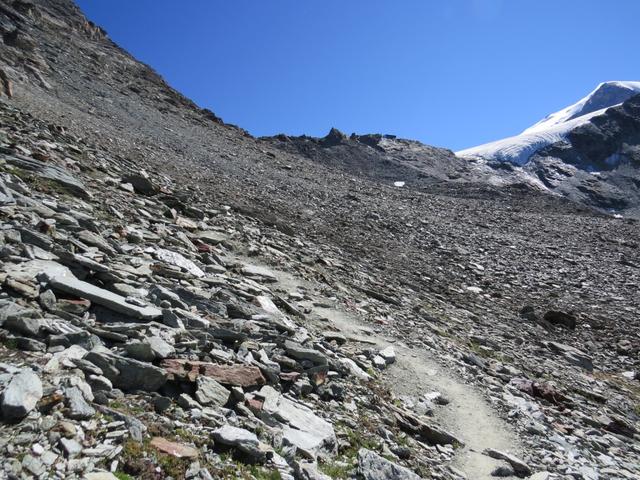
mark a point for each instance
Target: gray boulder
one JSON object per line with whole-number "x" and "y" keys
{"x": 297, "y": 351}
{"x": 521, "y": 469}
{"x": 78, "y": 408}
{"x": 372, "y": 466}
{"x": 243, "y": 440}
{"x": 302, "y": 428}
{"x": 160, "y": 348}
{"x": 140, "y": 351}
{"x": 21, "y": 395}
{"x": 127, "y": 373}
{"x": 210, "y": 392}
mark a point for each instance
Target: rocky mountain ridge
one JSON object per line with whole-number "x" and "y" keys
{"x": 182, "y": 300}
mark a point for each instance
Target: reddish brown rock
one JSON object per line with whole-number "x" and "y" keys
{"x": 543, "y": 390}
{"x": 255, "y": 404}
{"x": 174, "y": 449}
{"x": 236, "y": 375}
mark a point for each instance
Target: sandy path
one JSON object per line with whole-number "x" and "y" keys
{"x": 415, "y": 372}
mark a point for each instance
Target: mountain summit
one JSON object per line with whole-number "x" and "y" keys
{"x": 555, "y": 127}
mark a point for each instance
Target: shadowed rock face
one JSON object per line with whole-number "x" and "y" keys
{"x": 606, "y": 142}
{"x": 609, "y": 144}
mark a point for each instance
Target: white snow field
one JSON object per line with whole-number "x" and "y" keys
{"x": 518, "y": 149}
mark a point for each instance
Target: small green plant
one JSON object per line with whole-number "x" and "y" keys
{"x": 336, "y": 470}
{"x": 260, "y": 473}
{"x": 132, "y": 450}
{"x": 480, "y": 350}
{"x": 186, "y": 435}
{"x": 234, "y": 470}
{"x": 130, "y": 409}
{"x": 173, "y": 466}
{"x": 357, "y": 441}
{"x": 123, "y": 476}
{"x": 10, "y": 343}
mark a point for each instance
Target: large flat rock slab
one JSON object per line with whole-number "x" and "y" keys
{"x": 127, "y": 373}
{"x": 50, "y": 172}
{"x": 67, "y": 283}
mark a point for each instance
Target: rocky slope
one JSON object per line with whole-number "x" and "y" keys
{"x": 181, "y": 299}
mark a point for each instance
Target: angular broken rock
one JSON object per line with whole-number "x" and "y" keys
{"x": 430, "y": 433}
{"x": 24, "y": 325}
{"x": 297, "y": 351}
{"x": 67, "y": 283}
{"x": 521, "y": 468}
{"x": 140, "y": 183}
{"x": 96, "y": 240}
{"x": 65, "y": 358}
{"x": 50, "y": 172}
{"x": 372, "y": 466}
{"x": 243, "y": 440}
{"x": 150, "y": 349}
{"x": 6, "y": 197}
{"x": 236, "y": 375}
{"x": 212, "y": 238}
{"x": 178, "y": 450}
{"x": 353, "y": 368}
{"x": 79, "y": 409}
{"x": 160, "y": 348}
{"x": 389, "y": 355}
{"x": 572, "y": 355}
{"x": 308, "y": 471}
{"x": 173, "y": 258}
{"x": 127, "y": 373}
{"x": 21, "y": 395}
{"x": 210, "y": 392}
{"x": 301, "y": 426}
{"x": 140, "y": 351}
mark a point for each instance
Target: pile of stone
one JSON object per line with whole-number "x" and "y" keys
{"x": 139, "y": 339}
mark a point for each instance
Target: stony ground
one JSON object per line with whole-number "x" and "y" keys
{"x": 182, "y": 300}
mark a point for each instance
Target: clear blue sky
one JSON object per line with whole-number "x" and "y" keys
{"x": 452, "y": 73}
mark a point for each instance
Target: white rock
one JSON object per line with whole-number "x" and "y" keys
{"x": 178, "y": 260}
{"x": 21, "y": 395}
{"x": 355, "y": 370}
{"x": 63, "y": 358}
{"x": 303, "y": 428}
{"x": 389, "y": 355}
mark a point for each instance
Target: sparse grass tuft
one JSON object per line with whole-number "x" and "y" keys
{"x": 336, "y": 470}
{"x": 10, "y": 343}
{"x": 123, "y": 476}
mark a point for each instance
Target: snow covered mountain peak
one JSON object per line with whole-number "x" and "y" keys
{"x": 555, "y": 127}
{"x": 606, "y": 95}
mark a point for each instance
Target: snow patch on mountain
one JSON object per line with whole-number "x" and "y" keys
{"x": 554, "y": 128}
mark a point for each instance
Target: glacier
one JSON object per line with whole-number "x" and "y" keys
{"x": 554, "y": 128}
